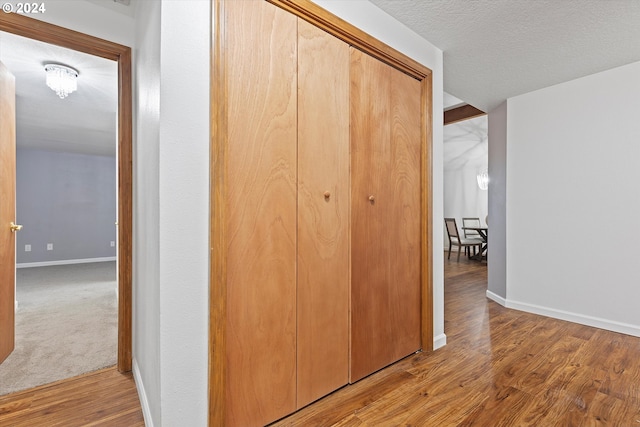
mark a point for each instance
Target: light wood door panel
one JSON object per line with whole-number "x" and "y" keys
{"x": 323, "y": 219}
{"x": 385, "y": 225}
{"x": 261, "y": 213}
{"x": 7, "y": 211}
{"x": 404, "y": 226}
{"x": 370, "y": 131}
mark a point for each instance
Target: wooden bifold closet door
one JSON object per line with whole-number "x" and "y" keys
{"x": 288, "y": 214}
{"x": 323, "y": 213}
{"x": 317, "y": 248}
{"x": 261, "y": 213}
{"x": 385, "y": 215}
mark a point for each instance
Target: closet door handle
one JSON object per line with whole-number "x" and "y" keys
{"x": 327, "y": 195}
{"x": 372, "y": 198}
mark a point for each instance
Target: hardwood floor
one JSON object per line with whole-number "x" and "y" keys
{"x": 500, "y": 367}
{"x": 101, "y": 398}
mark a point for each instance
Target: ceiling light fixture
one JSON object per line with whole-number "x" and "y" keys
{"x": 61, "y": 79}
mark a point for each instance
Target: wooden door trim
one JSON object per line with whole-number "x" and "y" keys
{"x": 38, "y": 30}
{"x": 323, "y": 19}
{"x": 426, "y": 216}
{"x": 354, "y": 36}
{"x": 217, "y": 221}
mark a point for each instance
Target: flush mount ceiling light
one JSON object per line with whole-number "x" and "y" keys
{"x": 61, "y": 79}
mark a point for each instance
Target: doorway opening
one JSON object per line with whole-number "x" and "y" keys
{"x": 27, "y": 27}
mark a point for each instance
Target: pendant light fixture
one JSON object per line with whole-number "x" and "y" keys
{"x": 483, "y": 179}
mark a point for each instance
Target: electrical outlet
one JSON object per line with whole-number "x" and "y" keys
{"x": 49, "y": 246}
{"x": 112, "y": 244}
{"x": 27, "y": 248}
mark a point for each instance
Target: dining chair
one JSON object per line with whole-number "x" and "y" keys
{"x": 456, "y": 240}
{"x": 470, "y": 234}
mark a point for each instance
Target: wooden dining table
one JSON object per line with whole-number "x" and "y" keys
{"x": 483, "y": 232}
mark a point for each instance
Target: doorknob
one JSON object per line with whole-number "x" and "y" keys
{"x": 15, "y": 227}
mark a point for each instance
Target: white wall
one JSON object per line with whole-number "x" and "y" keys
{"x": 184, "y": 210}
{"x": 382, "y": 26}
{"x": 172, "y": 210}
{"x": 497, "y": 239}
{"x": 146, "y": 217}
{"x": 572, "y": 191}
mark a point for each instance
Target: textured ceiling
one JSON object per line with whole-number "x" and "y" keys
{"x": 497, "y": 49}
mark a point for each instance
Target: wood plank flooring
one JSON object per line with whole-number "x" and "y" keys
{"x": 500, "y": 367}
{"x": 101, "y": 398}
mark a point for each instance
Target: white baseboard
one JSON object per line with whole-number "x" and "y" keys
{"x": 142, "y": 395}
{"x": 497, "y": 298}
{"x": 64, "y": 262}
{"x": 609, "y": 325}
{"x": 582, "y": 319}
{"x": 439, "y": 341}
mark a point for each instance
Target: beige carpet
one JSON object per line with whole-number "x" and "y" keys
{"x": 66, "y": 324}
